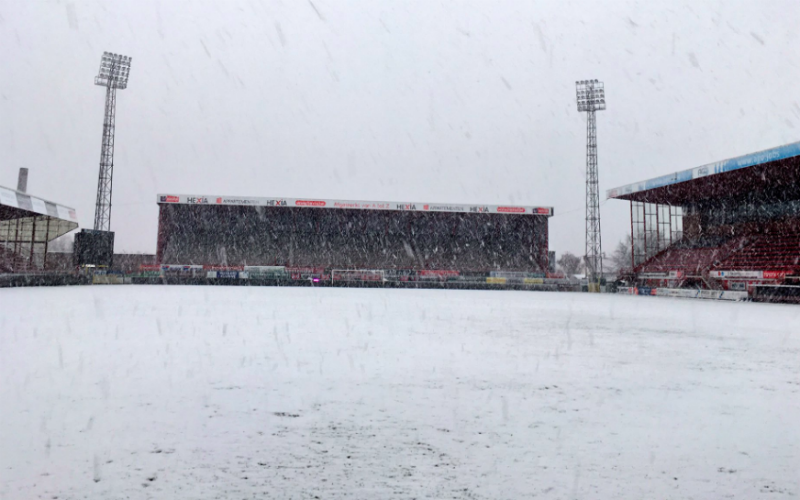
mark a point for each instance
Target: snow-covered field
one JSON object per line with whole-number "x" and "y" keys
{"x": 234, "y": 392}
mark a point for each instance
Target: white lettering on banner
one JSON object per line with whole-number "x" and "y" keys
{"x": 237, "y": 201}
{"x": 444, "y": 208}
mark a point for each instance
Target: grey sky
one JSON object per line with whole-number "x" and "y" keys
{"x": 389, "y": 100}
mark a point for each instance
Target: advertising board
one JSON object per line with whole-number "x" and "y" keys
{"x": 212, "y": 200}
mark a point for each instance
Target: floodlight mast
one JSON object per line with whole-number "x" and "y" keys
{"x": 113, "y": 75}
{"x": 591, "y": 97}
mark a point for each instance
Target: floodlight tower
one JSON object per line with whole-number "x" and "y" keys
{"x": 591, "y": 97}
{"x": 114, "y": 70}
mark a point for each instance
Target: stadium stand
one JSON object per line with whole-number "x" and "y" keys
{"x": 27, "y": 225}
{"x": 351, "y": 234}
{"x": 731, "y": 224}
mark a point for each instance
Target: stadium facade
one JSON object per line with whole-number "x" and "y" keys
{"x": 365, "y": 240}
{"x": 732, "y": 224}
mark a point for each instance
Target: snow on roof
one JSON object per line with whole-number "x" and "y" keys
{"x": 748, "y": 160}
{"x": 351, "y": 204}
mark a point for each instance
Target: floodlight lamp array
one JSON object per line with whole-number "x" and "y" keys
{"x": 114, "y": 70}
{"x": 591, "y": 95}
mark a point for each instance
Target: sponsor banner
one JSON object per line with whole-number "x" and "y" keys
{"x": 627, "y": 290}
{"x": 197, "y": 200}
{"x": 733, "y": 295}
{"x": 265, "y": 269}
{"x": 357, "y": 275}
{"x": 150, "y": 267}
{"x": 736, "y": 274}
{"x": 311, "y": 270}
{"x": 180, "y": 267}
{"x": 496, "y": 281}
{"x": 255, "y": 275}
{"x": 236, "y": 201}
{"x": 211, "y": 274}
{"x": 243, "y": 275}
{"x": 437, "y": 272}
{"x": 671, "y": 275}
{"x": 228, "y": 274}
{"x": 515, "y": 274}
{"x": 774, "y": 275}
{"x": 362, "y": 205}
{"x": 533, "y": 281}
{"x": 676, "y": 292}
{"x": 709, "y": 294}
{"x": 444, "y": 208}
{"x": 348, "y": 204}
{"x": 223, "y": 268}
{"x": 653, "y": 276}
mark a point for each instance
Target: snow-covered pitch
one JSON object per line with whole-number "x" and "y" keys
{"x": 241, "y": 392}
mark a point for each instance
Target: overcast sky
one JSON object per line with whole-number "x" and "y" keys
{"x": 389, "y": 100}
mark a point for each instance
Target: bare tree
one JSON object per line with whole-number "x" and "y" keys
{"x": 621, "y": 258}
{"x": 569, "y": 263}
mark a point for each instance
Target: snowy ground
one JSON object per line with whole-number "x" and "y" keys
{"x": 215, "y": 392}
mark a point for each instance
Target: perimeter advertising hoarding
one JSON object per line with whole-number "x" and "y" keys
{"x": 736, "y": 274}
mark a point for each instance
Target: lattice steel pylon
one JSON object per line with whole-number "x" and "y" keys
{"x": 114, "y": 71}
{"x": 591, "y": 97}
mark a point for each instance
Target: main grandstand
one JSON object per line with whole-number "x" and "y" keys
{"x": 27, "y": 225}
{"x": 337, "y": 239}
{"x": 731, "y": 224}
